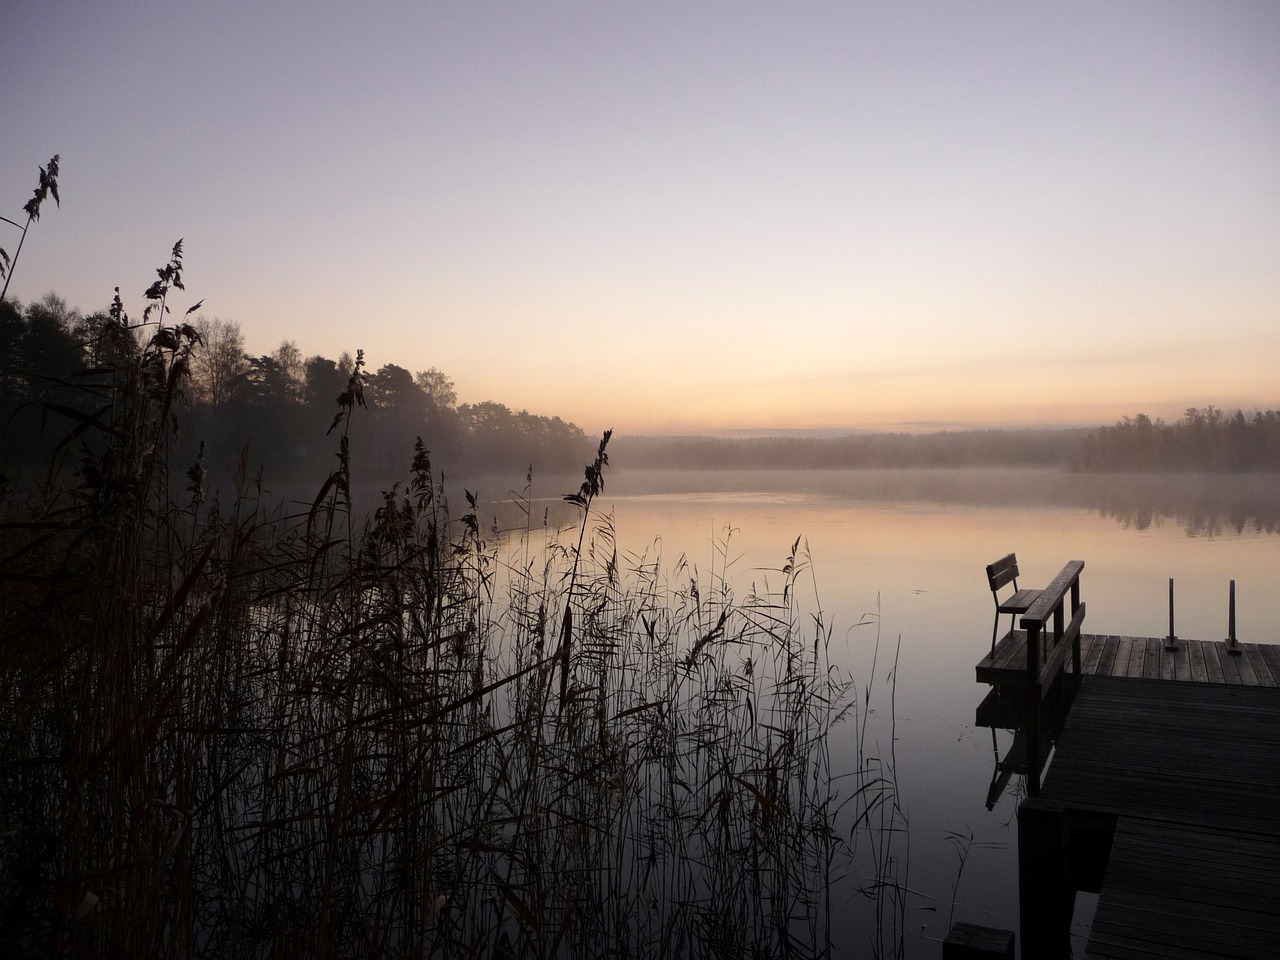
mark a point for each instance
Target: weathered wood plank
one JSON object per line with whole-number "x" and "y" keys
{"x": 1261, "y": 670}
{"x": 1247, "y": 675}
{"x": 1154, "y": 925}
{"x": 1230, "y": 671}
{"x": 1176, "y": 928}
{"x": 1108, "y": 662}
{"x": 1270, "y": 654}
{"x": 1213, "y": 666}
{"x": 1103, "y": 947}
{"x": 1091, "y": 650}
{"x": 1011, "y": 651}
{"x": 1006, "y": 662}
{"x": 1195, "y": 653}
{"x": 1151, "y": 664}
{"x": 1137, "y": 653}
{"x": 1182, "y": 661}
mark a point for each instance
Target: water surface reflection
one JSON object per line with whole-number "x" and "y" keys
{"x": 1201, "y": 504}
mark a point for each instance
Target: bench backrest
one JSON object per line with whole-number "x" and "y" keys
{"x": 1004, "y": 570}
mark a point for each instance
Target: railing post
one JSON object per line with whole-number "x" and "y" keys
{"x": 1057, "y": 682}
{"x": 1232, "y": 645}
{"x": 1075, "y": 643}
{"x": 1045, "y": 626}
{"x": 1033, "y": 706}
{"x": 1171, "y": 641}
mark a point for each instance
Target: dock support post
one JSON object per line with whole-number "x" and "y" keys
{"x": 968, "y": 941}
{"x": 1045, "y": 894}
{"x": 1171, "y": 641}
{"x": 1233, "y": 645}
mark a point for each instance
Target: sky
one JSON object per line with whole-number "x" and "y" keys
{"x": 691, "y": 217}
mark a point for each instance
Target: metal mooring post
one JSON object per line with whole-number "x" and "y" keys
{"x": 1233, "y": 645}
{"x": 1171, "y": 641}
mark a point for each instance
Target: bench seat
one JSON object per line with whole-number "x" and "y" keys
{"x": 1019, "y": 602}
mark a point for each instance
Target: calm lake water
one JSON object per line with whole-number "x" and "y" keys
{"x": 906, "y": 549}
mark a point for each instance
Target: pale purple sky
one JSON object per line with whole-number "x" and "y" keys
{"x": 684, "y": 216}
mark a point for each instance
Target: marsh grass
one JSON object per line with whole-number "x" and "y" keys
{"x": 233, "y": 730}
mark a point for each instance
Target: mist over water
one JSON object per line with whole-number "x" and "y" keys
{"x": 1200, "y": 503}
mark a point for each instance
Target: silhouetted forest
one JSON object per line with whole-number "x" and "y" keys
{"x": 274, "y": 408}
{"x": 278, "y": 406}
{"x": 1205, "y": 439}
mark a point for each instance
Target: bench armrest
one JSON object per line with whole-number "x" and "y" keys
{"x": 1051, "y": 596}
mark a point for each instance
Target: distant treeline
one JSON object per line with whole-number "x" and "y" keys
{"x": 276, "y": 406}
{"x": 279, "y": 405}
{"x": 1208, "y": 439}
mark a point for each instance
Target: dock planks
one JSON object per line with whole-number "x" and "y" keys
{"x": 1176, "y": 892}
{"x": 1191, "y": 772}
{"x": 1201, "y": 753}
{"x": 1200, "y": 661}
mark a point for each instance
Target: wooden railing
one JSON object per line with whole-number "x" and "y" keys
{"x": 1050, "y": 636}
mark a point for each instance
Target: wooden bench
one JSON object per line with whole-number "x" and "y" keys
{"x": 1001, "y": 574}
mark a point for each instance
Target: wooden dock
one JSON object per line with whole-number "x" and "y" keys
{"x": 1163, "y": 792}
{"x": 1144, "y": 658}
{"x": 1185, "y": 777}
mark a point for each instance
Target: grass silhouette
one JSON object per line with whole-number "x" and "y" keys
{"x": 235, "y": 729}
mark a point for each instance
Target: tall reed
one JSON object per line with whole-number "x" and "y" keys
{"x": 236, "y": 730}
{"x": 47, "y": 185}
